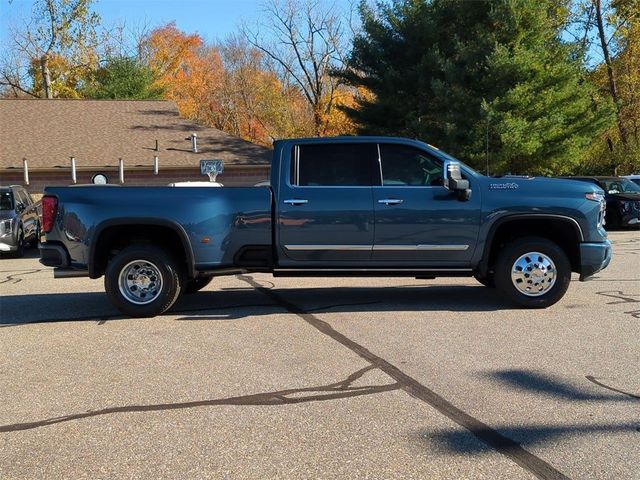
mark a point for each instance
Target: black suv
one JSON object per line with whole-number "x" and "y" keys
{"x": 18, "y": 220}
{"x": 622, "y": 197}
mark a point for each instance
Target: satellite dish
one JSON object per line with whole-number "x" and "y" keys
{"x": 99, "y": 179}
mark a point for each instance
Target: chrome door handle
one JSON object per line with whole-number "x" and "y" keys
{"x": 390, "y": 201}
{"x": 296, "y": 201}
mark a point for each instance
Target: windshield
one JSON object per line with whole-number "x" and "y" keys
{"x": 6, "y": 200}
{"x": 620, "y": 185}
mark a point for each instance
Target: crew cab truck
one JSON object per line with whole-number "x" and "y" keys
{"x": 344, "y": 206}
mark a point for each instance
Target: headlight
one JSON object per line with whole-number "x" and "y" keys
{"x": 598, "y": 197}
{"x": 5, "y": 226}
{"x": 595, "y": 196}
{"x": 626, "y": 207}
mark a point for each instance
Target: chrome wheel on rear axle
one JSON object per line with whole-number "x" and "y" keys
{"x": 140, "y": 282}
{"x": 533, "y": 274}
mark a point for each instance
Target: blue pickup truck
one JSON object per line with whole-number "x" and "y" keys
{"x": 345, "y": 206}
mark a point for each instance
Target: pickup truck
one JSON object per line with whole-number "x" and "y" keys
{"x": 344, "y": 206}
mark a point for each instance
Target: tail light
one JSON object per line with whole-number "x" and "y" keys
{"x": 49, "y": 211}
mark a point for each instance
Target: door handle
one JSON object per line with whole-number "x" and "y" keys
{"x": 391, "y": 201}
{"x": 296, "y": 201}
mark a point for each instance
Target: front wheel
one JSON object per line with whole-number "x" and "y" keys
{"x": 533, "y": 272}
{"x": 142, "y": 281}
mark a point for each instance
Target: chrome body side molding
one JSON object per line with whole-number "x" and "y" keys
{"x": 386, "y": 248}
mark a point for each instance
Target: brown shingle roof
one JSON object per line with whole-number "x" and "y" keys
{"x": 98, "y": 132}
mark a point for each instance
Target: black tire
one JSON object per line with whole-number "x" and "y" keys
{"x": 157, "y": 262}
{"x": 487, "y": 281}
{"x": 34, "y": 241}
{"x": 19, "y": 252}
{"x": 196, "y": 284}
{"x": 519, "y": 248}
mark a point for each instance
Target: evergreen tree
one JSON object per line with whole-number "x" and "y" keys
{"x": 467, "y": 75}
{"x": 121, "y": 78}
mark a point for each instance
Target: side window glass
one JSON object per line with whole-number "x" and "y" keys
{"x": 409, "y": 166}
{"x": 20, "y": 197}
{"x": 26, "y": 197}
{"x": 333, "y": 165}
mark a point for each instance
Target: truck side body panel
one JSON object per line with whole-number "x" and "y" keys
{"x": 217, "y": 221}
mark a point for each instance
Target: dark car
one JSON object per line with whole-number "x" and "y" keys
{"x": 622, "y": 197}
{"x": 18, "y": 219}
{"x": 634, "y": 178}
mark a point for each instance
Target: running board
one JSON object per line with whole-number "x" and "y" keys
{"x": 69, "y": 273}
{"x": 425, "y": 273}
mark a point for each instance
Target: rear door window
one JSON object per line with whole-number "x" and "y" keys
{"x": 334, "y": 165}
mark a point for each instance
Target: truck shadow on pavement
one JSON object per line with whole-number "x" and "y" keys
{"x": 233, "y": 304}
{"x": 410, "y": 298}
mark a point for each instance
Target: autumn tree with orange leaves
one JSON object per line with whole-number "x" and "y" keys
{"x": 188, "y": 71}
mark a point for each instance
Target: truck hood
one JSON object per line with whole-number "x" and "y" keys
{"x": 540, "y": 183}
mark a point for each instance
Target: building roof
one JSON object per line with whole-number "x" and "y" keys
{"x": 99, "y": 132}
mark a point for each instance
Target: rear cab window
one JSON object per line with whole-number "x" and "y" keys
{"x": 334, "y": 165}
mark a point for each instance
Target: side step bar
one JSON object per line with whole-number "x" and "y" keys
{"x": 69, "y": 273}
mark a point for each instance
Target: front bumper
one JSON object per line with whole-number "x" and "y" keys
{"x": 594, "y": 257}
{"x": 8, "y": 243}
{"x": 6, "y": 247}
{"x": 631, "y": 220}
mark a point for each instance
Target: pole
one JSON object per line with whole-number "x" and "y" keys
{"x": 487, "y": 147}
{"x": 25, "y": 167}
{"x": 121, "y": 169}
{"x": 156, "y": 165}
{"x": 73, "y": 170}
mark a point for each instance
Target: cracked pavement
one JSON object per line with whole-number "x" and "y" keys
{"x": 256, "y": 377}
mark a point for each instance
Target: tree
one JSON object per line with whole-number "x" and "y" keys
{"x": 307, "y": 45}
{"x": 187, "y": 70}
{"x": 123, "y": 77}
{"x": 477, "y": 77}
{"x": 254, "y": 103}
{"x": 59, "y": 29}
{"x": 610, "y": 31}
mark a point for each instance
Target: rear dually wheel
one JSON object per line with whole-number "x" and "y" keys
{"x": 143, "y": 281}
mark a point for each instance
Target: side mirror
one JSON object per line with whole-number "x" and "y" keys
{"x": 20, "y": 207}
{"x": 454, "y": 182}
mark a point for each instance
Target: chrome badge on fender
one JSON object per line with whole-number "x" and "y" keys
{"x": 503, "y": 186}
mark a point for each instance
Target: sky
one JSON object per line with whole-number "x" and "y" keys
{"x": 212, "y": 19}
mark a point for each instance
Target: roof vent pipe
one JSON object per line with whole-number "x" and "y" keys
{"x": 194, "y": 142}
{"x": 73, "y": 170}
{"x": 121, "y": 169}
{"x": 26, "y": 171}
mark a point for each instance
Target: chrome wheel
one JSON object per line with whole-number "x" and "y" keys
{"x": 140, "y": 282}
{"x": 533, "y": 274}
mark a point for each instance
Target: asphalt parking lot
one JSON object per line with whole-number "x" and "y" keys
{"x": 256, "y": 377}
